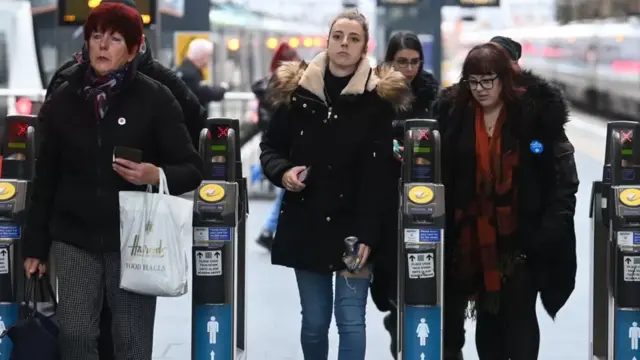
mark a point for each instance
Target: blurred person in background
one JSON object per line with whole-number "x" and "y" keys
{"x": 199, "y": 56}
{"x": 510, "y": 180}
{"x": 329, "y": 145}
{"x": 405, "y": 53}
{"x": 104, "y": 103}
{"x": 284, "y": 52}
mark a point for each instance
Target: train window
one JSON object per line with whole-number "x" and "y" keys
{"x": 581, "y": 50}
{"x": 608, "y": 50}
{"x": 530, "y": 48}
{"x": 629, "y": 50}
{"x": 554, "y": 49}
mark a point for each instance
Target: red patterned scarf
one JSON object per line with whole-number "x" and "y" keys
{"x": 486, "y": 226}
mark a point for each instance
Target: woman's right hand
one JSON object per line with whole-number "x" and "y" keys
{"x": 290, "y": 179}
{"x": 33, "y": 266}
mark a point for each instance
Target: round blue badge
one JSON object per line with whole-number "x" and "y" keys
{"x": 536, "y": 147}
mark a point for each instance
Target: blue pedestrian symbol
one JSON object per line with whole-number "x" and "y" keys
{"x": 423, "y": 332}
{"x": 213, "y": 328}
{"x": 213, "y": 332}
{"x": 8, "y": 316}
{"x": 627, "y": 334}
{"x": 536, "y": 147}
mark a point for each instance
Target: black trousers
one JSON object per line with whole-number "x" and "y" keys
{"x": 105, "y": 340}
{"x": 510, "y": 334}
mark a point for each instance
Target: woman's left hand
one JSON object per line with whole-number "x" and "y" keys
{"x": 363, "y": 254}
{"x": 137, "y": 173}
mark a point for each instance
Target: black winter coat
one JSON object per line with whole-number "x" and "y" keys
{"x": 192, "y": 76}
{"x": 265, "y": 110}
{"x": 548, "y": 181}
{"x": 385, "y": 280}
{"x": 194, "y": 114}
{"x": 348, "y": 148}
{"x": 425, "y": 89}
{"x": 75, "y": 191}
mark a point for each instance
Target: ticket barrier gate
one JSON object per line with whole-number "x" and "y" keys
{"x": 218, "y": 314}
{"x": 17, "y": 171}
{"x": 420, "y": 247}
{"x": 615, "y": 287}
{"x": 218, "y": 127}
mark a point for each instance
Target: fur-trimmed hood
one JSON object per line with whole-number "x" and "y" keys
{"x": 539, "y": 98}
{"x": 389, "y": 84}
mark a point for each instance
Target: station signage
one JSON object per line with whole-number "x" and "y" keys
{"x": 75, "y": 12}
{"x": 478, "y": 3}
{"x": 397, "y": 2}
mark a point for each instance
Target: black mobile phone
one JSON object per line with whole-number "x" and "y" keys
{"x": 127, "y": 153}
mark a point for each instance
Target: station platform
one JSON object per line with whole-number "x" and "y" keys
{"x": 273, "y": 319}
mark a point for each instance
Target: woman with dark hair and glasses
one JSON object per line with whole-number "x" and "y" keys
{"x": 511, "y": 180}
{"x": 405, "y": 54}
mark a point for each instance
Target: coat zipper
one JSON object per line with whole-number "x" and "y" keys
{"x": 99, "y": 173}
{"x": 323, "y": 103}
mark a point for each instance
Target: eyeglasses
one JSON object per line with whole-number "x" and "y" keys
{"x": 486, "y": 84}
{"x": 403, "y": 63}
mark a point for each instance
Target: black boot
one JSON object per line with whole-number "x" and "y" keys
{"x": 265, "y": 240}
{"x": 390, "y": 324}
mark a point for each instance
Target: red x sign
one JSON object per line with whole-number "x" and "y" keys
{"x": 424, "y": 134}
{"x": 22, "y": 129}
{"x": 223, "y": 132}
{"x": 626, "y": 137}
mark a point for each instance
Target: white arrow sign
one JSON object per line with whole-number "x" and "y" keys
{"x": 422, "y": 356}
{"x": 213, "y": 355}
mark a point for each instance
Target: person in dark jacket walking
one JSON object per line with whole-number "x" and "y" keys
{"x": 284, "y": 52}
{"x": 405, "y": 53}
{"x": 198, "y": 57}
{"x": 510, "y": 179}
{"x": 74, "y": 209}
{"x": 194, "y": 114}
{"x": 329, "y": 145}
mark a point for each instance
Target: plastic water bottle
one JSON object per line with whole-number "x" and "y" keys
{"x": 350, "y": 257}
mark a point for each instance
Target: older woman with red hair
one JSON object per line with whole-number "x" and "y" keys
{"x": 74, "y": 212}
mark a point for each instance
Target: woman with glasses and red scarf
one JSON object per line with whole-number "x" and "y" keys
{"x": 511, "y": 182}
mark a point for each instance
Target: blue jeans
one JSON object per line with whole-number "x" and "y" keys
{"x": 272, "y": 221}
{"x": 317, "y": 301}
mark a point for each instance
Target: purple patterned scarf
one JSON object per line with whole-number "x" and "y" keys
{"x": 101, "y": 88}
